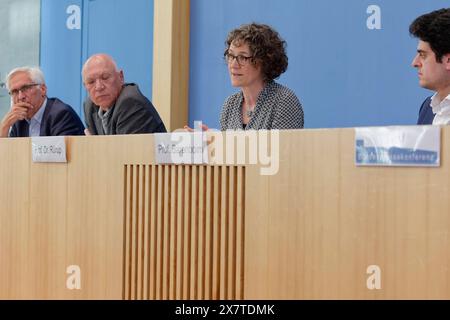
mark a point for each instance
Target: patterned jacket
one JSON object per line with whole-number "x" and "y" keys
{"x": 277, "y": 107}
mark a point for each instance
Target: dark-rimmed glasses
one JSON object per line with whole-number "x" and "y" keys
{"x": 24, "y": 89}
{"x": 241, "y": 59}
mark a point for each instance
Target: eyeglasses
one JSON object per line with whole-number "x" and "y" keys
{"x": 241, "y": 60}
{"x": 24, "y": 89}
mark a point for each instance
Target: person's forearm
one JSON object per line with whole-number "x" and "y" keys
{"x": 4, "y": 131}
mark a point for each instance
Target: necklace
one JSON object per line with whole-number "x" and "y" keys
{"x": 250, "y": 111}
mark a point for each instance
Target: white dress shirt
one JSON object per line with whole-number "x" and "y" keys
{"x": 35, "y": 122}
{"x": 441, "y": 109}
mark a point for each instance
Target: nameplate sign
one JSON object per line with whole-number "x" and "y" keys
{"x": 181, "y": 148}
{"x": 48, "y": 149}
{"x": 417, "y": 146}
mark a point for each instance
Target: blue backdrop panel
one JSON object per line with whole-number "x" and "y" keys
{"x": 60, "y": 56}
{"x": 121, "y": 28}
{"x": 344, "y": 73}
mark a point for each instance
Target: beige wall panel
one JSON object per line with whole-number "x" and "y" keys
{"x": 96, "y": 210}
{"x": 322, "y": 221}
{"x": 57, "y": 215}
{"x": 14, "y": 214}
{"x": 171, "y": 61}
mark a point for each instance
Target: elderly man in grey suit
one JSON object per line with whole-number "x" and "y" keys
{"x": 114, "y": 107}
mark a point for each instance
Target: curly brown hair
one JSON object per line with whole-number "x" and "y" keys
{"x": 266, "y": 45}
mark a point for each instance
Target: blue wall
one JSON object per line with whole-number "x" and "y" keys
{"x": 60, "y": 56}
{"x": 344, "y": 74}
{"x": 121, "y": 28}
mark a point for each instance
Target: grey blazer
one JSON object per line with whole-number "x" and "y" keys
{"x": 132, "y": 113}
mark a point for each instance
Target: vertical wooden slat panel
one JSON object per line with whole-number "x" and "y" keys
{"x": 209, "y": 232}
{"x": 130, "y": 228}
{"x": 147, "y": 233}
{"x": 144, "y": 232}
{"x": 160, "y": 235}
{"x": 216, "y": 234}
{"x": 154, "y": 232}
{"x": 194, "y": 233}
{"x": 166, "y": 236}
{"x": 183, "y": 232}
{"x": 173, "y": 232}
{"x": 126, "y": 251}
{"x": 232, "y": 234}
{"x": 130, "y": 233}
{"x": 180, "y": 232}
{"x": 224, "y": 233}
{"x": 187, "y": 235}
{"x": 134, "y": 234}
{"x": 140, "y": 222}
{"x": 240, "y": 228}
{"x": 201, "y": 234}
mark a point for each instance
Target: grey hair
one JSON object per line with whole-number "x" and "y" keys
{"x": 35, "y": 73}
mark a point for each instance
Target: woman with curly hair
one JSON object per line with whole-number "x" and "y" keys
{"x": 256, "y": 56}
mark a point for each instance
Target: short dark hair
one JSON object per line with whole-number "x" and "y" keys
{"x": 434, "y": 28}
{"x": 266, "y": 45}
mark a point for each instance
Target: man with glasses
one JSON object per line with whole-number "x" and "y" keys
{"x": 114, "y": 107}
{"x": 32, "y": 113}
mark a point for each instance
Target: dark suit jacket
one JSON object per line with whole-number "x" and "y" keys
{"x": 132, "y": 113}
{"x": 426, "y": 115}
{"x": 59, "y": 119}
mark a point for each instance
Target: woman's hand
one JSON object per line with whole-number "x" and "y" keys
{"x": 189, "y": 129}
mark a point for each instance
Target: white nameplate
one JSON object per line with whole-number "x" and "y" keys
{"x": 417, "y": 146}
{"x": 48, "y": 149}
{"x": 181, "y": 148}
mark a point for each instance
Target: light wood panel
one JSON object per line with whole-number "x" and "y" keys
{"x": 14, "y": 212}
{"x": 171, "y": 61}
{"x": 194, "y": 238}
{"x": 56, "y": 215}
{"x": 322, "y": 221}
{"x": 144, "y": 231}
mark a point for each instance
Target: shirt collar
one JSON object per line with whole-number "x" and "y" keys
{"x": 104, "y": 114}
{"x": 38, "y": 115}
{"x": 439, "y": 105}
